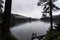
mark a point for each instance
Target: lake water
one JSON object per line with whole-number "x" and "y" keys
{"x": 24, "y": 31}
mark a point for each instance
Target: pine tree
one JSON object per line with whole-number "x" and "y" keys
{"x": 49, "y": 6}
{"x": 49, "y": 9}
{"x": 1, "y": 6}
{"x": 5, "y": 29}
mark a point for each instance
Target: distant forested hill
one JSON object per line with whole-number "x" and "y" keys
{"x": 15, "y": 18}
{"x": 56, "y": 18}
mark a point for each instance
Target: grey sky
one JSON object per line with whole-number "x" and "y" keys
{"x": 29, "y": 8}
{"x": 26, "y": 7}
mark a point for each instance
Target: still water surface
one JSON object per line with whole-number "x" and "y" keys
{"x": 24, "y": 31}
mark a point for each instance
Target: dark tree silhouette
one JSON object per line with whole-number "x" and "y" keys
{"x": 48, "y": 9}
{"x": 1, "y": 6}
{"x": 6, "y": 20}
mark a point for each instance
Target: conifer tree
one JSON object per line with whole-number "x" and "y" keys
{"x": 49, "y": 6}
{"x": 5, "y": 29}
{"x": 1, "y": 6}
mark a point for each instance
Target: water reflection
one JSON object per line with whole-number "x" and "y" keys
{"x": 24, "y": 31}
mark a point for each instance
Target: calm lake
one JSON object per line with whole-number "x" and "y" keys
{"x": 24, "y": 31}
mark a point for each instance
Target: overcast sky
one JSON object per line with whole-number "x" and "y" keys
{"x": 29, "y": 8}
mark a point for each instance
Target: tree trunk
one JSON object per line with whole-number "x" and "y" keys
{"x": 51, "y": 38}
{"x": 51, "y": 15}
{"x": 6, "y": 20}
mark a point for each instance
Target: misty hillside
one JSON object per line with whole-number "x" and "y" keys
{"x": 56, "y": 18}
{"x": 15, "y": 18}
{"x": 18, "y": 16}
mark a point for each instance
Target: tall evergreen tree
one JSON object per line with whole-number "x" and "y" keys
{"x": 48, "y": 9}
{"x": 6, "y": 20}
{"x": 49, "y": 6}
{"x": 1, "y": 6}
